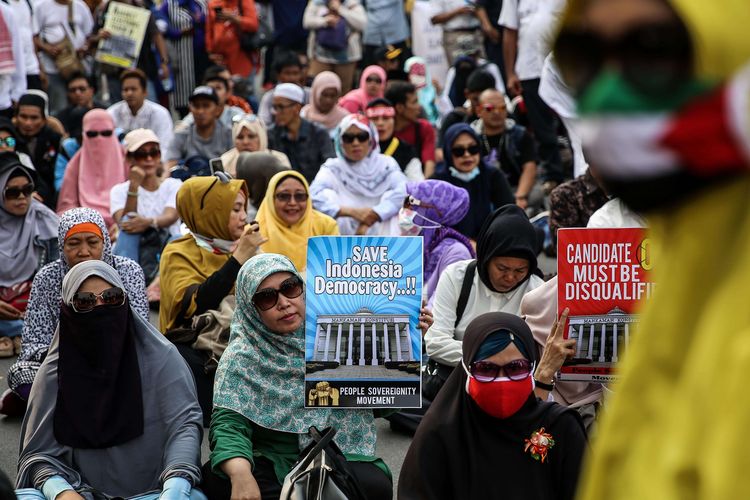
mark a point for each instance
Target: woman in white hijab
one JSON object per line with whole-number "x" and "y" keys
{"x": 249, "y": 134}
{"x": 360, "y": 188}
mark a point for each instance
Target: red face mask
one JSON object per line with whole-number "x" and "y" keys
{"x": 502, "y": 397}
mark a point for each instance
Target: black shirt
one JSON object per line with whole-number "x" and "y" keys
{"x": 306, "y": 154}
{"x": 511, "y": 157}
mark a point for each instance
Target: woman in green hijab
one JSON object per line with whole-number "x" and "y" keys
{"x": 259, "y": 424}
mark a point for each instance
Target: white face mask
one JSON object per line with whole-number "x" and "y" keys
{"x": 464, "y": 176}
{"x": 407, "y": 224}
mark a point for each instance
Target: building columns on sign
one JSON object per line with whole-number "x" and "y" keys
{"x": 361, "y": 344}
{"x": 338, "y": 345}
{"x": 316, "y": 343}
{"x": 398, "y": 342}
{"x": 386, "y": 344}
{"x": 328, "y": 342}
{"x": 374, "y": 346}
{"x": 351, "y": 342}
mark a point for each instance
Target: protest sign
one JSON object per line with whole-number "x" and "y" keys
{"x": 602, "y": 279}
{"x": 362, "y": 345}
{"x": 427, "y": 39}
{"x": 127, "y": 27}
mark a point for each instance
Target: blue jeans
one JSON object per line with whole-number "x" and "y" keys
{"x": 34, "y": 494}
{"x": 11, "y": 327}
{"x": 128, "y": 244}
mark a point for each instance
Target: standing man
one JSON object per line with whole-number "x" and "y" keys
{"x": 306, "y": 144}
{"x": 460, "y": 23}
{"x": 135, "y": 111}
{"x": 410, "y": 128}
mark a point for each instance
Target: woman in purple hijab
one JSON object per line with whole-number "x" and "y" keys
{"x": 430, "y": 208}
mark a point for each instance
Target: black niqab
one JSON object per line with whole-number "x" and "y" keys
{"x": 99, "y": 398}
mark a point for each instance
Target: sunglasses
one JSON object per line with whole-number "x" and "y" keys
{"x": 9, "y": 142}
{"x": 103, "y": 133}
{"x": 459, "y": 151}
{"x": 13, "y": 193}
{"x": 268, "y": 297}
{"x": 86, "y": 301}
{"x": 654, "y": 58}
{"x": 374, "y": 79}
{"x": 486, "y": 371}
{"x": 411, "y": 202}
{"x": 361, "y": 137}
{"x": 149, "y": 153}
{"x": 287, "y": 197}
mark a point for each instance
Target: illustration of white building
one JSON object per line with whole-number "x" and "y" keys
{"x": 601, "y": 337}
{"x": 363, "y": 338}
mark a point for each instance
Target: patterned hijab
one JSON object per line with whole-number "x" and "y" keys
{"x": 261, "y": 375}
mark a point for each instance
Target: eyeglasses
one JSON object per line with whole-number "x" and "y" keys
{"x": 268, "y": 297}
{"x": 245, "y": 117}
{"x": 8, "y": 142}
{"x": 13, "y": 193}
{"x": 103, "y": 133}
{"x": 149, "y": 153}
{"x": 411, "y": 201}
{"x": 86, "y": 301}
{"x": 653, "y": 58}
{"x": 491, "y": 107}
{"x": 74, "y": 90}
{"x": 361, "y": 137}
{"x": 487, "y": 371}
{"x": 374, "y": 79}
{"x": 287, "y": 197}
{"x": 459, "y": 151}
{"x": 282, "y": 107}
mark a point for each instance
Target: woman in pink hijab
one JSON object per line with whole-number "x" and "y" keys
{"x": 95, "y": 168}
{"x": 371, "y": 86}
{"x": 324, "y": 108}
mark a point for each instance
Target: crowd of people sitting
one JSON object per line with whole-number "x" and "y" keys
{"x": 153, "y": 235}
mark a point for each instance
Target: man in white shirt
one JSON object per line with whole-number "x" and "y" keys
{"x": 460, "y": 23}
{"x": 52, "y": 20}
{"x": 12, "y": 66}
{"x": 135, "y": 111}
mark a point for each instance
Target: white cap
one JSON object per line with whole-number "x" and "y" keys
{"x": 290, "y": 91}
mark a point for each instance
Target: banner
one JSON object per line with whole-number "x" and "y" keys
{"x": 602, "y": 279}
{"x": 362, "y": 345}
{"x": 427, "y": 39}
{"x": 127, "y": 26}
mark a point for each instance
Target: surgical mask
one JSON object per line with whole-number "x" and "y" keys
{"x": 409, "y": 227}
{"x": 501, "y": 398}
{"x": 464, "y": 176}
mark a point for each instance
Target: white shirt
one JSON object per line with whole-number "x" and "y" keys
{"x": 27, "y": 28}
{"x": 151, "y": 115}
{"x": 150, "y": 203}
{"x": 13, "y": 86}
{"x": 443, "y": 341}
{"x": 535, "y": 21}
{"x": 615, "y": 214}
{"x": 462, "y": 22}
{"x": 52, "y": 20}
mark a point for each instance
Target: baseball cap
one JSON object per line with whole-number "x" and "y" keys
{"x": 204, "y": 92}
{"x": 138, "y": 137}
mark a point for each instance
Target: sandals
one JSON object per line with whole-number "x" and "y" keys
{"x": 6, "y": 347}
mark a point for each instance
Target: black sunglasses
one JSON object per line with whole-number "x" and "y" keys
{"x": 653, "y": 58}
{"x": 268, "y": 297}
{"x": 487, "y": 371}
{"x": 287, "y": 197}
{"x": 103, "y": 133}
{"x": 13, "y": 193}
{"x": 149, "y": 153}
{"x": 361, "y": 137}
{"x": 459, "y": 151}
{"x": 86, "y": 301}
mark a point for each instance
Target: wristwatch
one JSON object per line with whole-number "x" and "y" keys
{"x": 545, "y": 386}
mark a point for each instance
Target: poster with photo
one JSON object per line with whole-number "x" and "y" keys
{"x": 127, "y": 27}
{"x": 362, "y": 345}
{"x": 602, "y": 278}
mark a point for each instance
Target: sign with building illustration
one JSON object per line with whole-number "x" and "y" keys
{"x": 363, "y": 347}
{"x": 127, "y": 26}
{"x": 602, "y": 278}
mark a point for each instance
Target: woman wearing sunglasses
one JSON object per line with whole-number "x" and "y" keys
{"x": 28, "y": 231}
{"x": 488, "y": 188}
{"x": 95, "y": 168}
{"x": 134, "y": 428}
{"x": 249, "y": 135}
{"x": 198, "y": 271}
{"x": 82, "y": 236}
{"x": 371, "y": 86}
{"x": 287, "y": 218}
{"x": 259, "y": 423}
{"x": 361, "y": 188}
{"x": 487, "y": 435}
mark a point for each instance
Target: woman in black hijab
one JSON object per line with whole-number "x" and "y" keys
{"x": 486, "y": 435}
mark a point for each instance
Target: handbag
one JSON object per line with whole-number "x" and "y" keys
{"x": 334, "y": 38}
{"x": 67, "y": 61}
{"x": 322, "y": 472}
{"x": 262, "y": 37}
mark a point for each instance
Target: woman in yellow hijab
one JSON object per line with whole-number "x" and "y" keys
{"x": 199, "y": 269}
{"x": 287, "y": 218}
{"x": 665, "y": 88}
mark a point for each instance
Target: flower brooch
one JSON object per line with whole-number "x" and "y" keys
{"x": 539, "y": 444}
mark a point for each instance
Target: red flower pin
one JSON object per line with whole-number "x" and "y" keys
{"x": 539, "y": 444}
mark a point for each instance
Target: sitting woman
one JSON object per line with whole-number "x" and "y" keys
{"x": 488, "y": 188}
{"x": 82, "y": 236}
{"x": 487, "y": 423}
{"x": 249, "y": 135}
{"x": 260, "y": 424}
{"x": 323, "y": 108}
{"x": 430, "y": 208}
{"x": 95, "y": 168}
{"x": 28, "y": 230}
{"x": 361, "y": 188}
{"x": 287, "y": 218}
{"x": 144, "y": 206}
{"x": 134, "y": 428}
{"x": 371, "y": 86}
{"x": 256, "y": 169}
{"x": 198, "y": 270}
